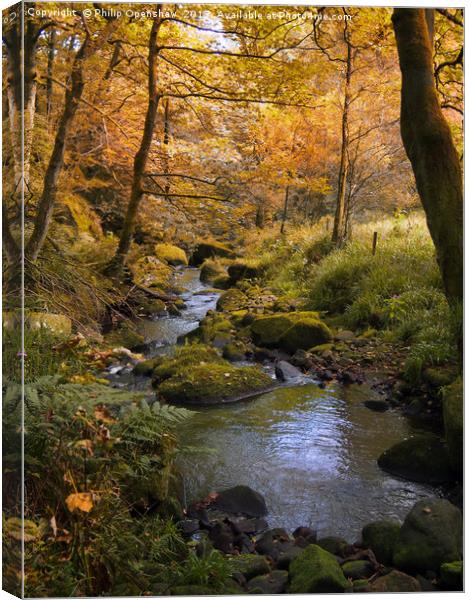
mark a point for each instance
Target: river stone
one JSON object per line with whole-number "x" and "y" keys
{"x": 334, "y": 545}
{"x": 287, "y": 372}
{"x": 287, "y": 555}
{"x": 243, "y": 525}
{"x": 422, "y": 458}
{"x": 210, "y": 250}
{"x": 242, "y": 270}
{"x": 272, "y": 583}
{"x": 273, "y": 542}
{"x": 210, "y": 270}
{"x": 290, "y": 331}
{"x": 171, "y": 254}
{"x": 231, "y": 300}
{"x": 316, "y": 571}
{"x": 360, "y": 586}
{"x": 430, "y": 535}
{"x": 249, "y": 565}
{"x": 452, "y": 575}
{"x": 452, "y": 405}
{"x": 344, "y": 335}
{"x": 380, "y": 537}
{"x": 241, "y": 499}
{"x": 357, "y": 569}
{"x": 395, "y": 581}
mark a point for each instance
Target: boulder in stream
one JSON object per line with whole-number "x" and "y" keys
{"x": 171, "y": 254}
{"x": 430, "y": 536}
{"x": 287, "y": 372}
{"x": 316, "y": 571}
{"x": 290, "y": 331}
{"x": 210, "y": 250}
{"x": 241, "y": 499}
{"x": 422, "y": 458}
{"x": 381, "y": 537}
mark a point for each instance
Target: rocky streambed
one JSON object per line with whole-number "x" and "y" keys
{"x": 310, "y": 447}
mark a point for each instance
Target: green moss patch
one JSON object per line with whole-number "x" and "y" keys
{"x": 171, "y": 254}
{"x": 290, "y": 331}
{"x": 452, "y": 405}
{"x": 316, "y": 571}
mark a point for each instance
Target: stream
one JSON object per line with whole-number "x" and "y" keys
{"x": 311, "y": 452}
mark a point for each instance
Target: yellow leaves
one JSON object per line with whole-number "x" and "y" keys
{"x": 79, "y": 501}
{"x": 102, "y": 414}
{"x": 86, "y": 445}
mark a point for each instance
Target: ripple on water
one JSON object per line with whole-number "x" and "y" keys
{"x": 312, "y": 454}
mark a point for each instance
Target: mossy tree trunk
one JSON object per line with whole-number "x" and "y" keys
{"x": 339, "y": 227}
{"x": 73, "y": 95}
{"x": 141, "y": 157}
{"x": 428, "y": 143}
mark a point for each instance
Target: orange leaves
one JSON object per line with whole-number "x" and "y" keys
{"x": 102, "y": 414}
{"x": 82, "y": 501}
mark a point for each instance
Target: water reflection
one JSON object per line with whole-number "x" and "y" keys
{"x": 311, "y": 452}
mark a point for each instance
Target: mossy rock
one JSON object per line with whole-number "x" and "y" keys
{"x": 395, "y": 581}
{"x": 172, "y": 255}
{"x": 430, "y": 535}
{"x": 316, "y": 571}
{"x": 233, "y": 299}
{"x": 214, "y": 383}
{"x": 380, "y": 537}
{"x": 191, "y": 590}
{"x": 185, "y": 358}
{"x": 155, "y": 306}
{"x": 55, "y": 323}
{"x": 222, "y": 282}
{"x": 333, "y": 545}
{"x": 360, "y": 586}
{"x": 145, "y": 367}
{"x": 249, "y": 565}
{"x": 422, "y": 458}
{"x": 452, "y": 575}
{"x": 438, "y": 377}
{"x": 125, "y": 336}
{"x": 271, "y": 583}
{"x": 322, "y": 348}
{"x": 290, "y": 331}
{"x": 235, "y": 351}
{"x": 357, "y": 569}
{"x": 206, "y": 250}
{"x": 150, "y": 271}
{"x": 210, "y": 270}
{"x": 244, "y": 270}
{"x": 452, "y": 406}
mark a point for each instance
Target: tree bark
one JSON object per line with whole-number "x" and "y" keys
{"x": 339, "y": 229}
{"x": 50, "y": 72}
{"x": 73, "y": 95}
{"x": 284, "y": 212}
{"x": 429, "y": 146}
{"x": 141, "y": 157}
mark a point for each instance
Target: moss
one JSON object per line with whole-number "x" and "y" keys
{"x": 452, "y": 575}
{"x": 235, "y": 351}
{"x": 211, "y": 249}
{"x": 213, "y": 383}
{"x": 452, "y": 405}
{"x": 233, "y": 299}
{"x": 145, "y": 368}
{"x": 210, "y": 270}
{"x": 357, "y": 569}
{"x": 56, "y": 324}
{"x": 316, "y": 571}
{"x": 381, "y": 537}
{"x": 171, "y": 254}
{"x": 85, "y": 219}
{"x": 333, "y": 544}
{"x": 361, "y": 585}
{"x": 249, "y": 565}
{"x": 290, "y": 331}
{"x": 245, "y": 270}
{"x": 430, "y": 535}
{"x": 149, "y": 271}
{"x": 125, "y": 336}
{"x": 185, "y": 358}
{"x": 438, "y": 377}
{"x": 422, "y": 458}
{"x": 222, "y": 282}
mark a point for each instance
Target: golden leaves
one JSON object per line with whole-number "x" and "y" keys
{"x": 79, "y": 501}
{"x": 102, "y": 414}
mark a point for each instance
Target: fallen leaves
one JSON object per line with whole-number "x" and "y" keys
{"x": 79, "y": 501}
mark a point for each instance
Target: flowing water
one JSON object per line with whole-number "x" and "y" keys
{"x": 310, "y": 451}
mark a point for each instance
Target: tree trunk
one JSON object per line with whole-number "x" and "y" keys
{"x": 50, "y": 72}
{"x": 339, "y": 232}
{"x": 73, "y": 95}
{"x": 428, "y": 143}
{"x": 141, "y": 158}
{"x": 284, "y": 213}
